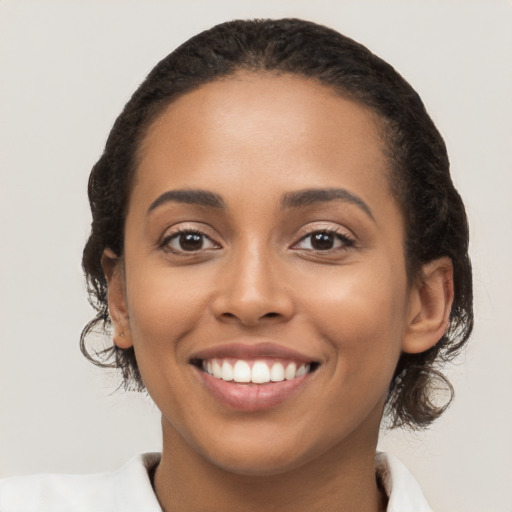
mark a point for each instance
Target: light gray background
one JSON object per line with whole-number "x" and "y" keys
{"x": 66, "y": 70}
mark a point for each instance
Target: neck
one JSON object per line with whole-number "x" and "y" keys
{"x": 342, "y": 479}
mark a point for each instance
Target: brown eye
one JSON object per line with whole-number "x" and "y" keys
{"x": 324, "y": 241}
{"x": 189, "y": 241}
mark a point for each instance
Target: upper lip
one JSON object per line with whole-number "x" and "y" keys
{"x": 251, "y": 351}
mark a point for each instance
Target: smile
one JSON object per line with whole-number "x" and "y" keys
{"x": 253, "y": 377}
{"x": 255, "y": 371}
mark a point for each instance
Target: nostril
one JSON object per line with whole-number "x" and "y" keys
{"x": 270, "y": 315}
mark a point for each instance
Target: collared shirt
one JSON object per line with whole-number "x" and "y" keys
{"x": 129, "y": 489}
{"x": 404, "y": 493}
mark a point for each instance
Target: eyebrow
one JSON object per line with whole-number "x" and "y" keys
{"x": 188, "y": 196}
{"x": 295, "y": 199}
{"x": 314, "y": 196}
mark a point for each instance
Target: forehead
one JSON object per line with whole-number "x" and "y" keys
{"x": 266, "y": 131}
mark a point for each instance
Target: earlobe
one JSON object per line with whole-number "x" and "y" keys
{"x": 430, "y": 305}
{"x": 112, "y": 267}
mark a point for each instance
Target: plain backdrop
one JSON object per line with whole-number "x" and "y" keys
{"x": 66, "y": 70}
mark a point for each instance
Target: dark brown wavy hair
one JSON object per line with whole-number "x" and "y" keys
{"x": 434, "y": 214}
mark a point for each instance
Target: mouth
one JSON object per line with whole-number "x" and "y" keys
{"x": 254, "y": 371}
{"x": 253, "y": 377}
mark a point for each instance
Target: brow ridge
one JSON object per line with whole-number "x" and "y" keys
{"x": 312, "y": 196}
{"x": 189, "y": 196}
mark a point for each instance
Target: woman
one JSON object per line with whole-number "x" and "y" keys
{"x": 282, "y": 256}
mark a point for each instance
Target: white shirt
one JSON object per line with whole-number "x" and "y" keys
{"x": 129, "y": 489}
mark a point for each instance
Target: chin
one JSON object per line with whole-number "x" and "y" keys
{"x": 265, "y": 464}
{"x": 257, "y": 457}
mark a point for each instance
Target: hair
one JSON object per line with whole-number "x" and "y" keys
{"x": 435, "y": 219}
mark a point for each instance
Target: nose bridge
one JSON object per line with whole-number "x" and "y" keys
{"x": 251, "y": 287}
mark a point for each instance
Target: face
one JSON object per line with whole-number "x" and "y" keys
{"x": 264, "y": 285}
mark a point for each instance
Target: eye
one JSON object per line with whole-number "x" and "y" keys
{"x": 189, "y": 241}
{"x": 323, "y": 241}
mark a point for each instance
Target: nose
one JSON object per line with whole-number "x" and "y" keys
{"x": 253, "y": 291}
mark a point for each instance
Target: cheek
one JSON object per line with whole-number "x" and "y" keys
{"x": 164, "y": 306}
{"x": 361, "y": 314}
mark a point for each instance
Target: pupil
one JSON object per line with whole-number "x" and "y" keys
{"x": 191, "y": 241}
{"x": 322, "y": 241}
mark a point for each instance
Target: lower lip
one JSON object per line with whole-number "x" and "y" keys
{"x": 252, "y": 397}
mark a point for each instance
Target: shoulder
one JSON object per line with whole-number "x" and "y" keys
{"x": 127, "y": 489}
{"x": 403, "y": 491}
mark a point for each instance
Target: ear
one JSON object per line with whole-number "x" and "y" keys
{"x": 430, "y": 305}
{"x": 112, "y": 267}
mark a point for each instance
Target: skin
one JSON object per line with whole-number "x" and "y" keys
{"x": 251, "y": 139}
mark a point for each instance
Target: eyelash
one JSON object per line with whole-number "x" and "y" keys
{"x": 345, "y": 241}
{"x": 166, "y": 242}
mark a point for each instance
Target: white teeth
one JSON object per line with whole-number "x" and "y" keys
{"x": 216, "y": 369}
{"x": 302, "y": 370}
{"x": 290, "y": 371}
{"x": 242, "y": 372}
{"x": 277, "y": 372}
{"x": 260, "y": 373}
{"x": 227, "y": 371}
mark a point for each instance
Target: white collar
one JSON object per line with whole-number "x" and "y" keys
{"x": 404, "y": 493}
